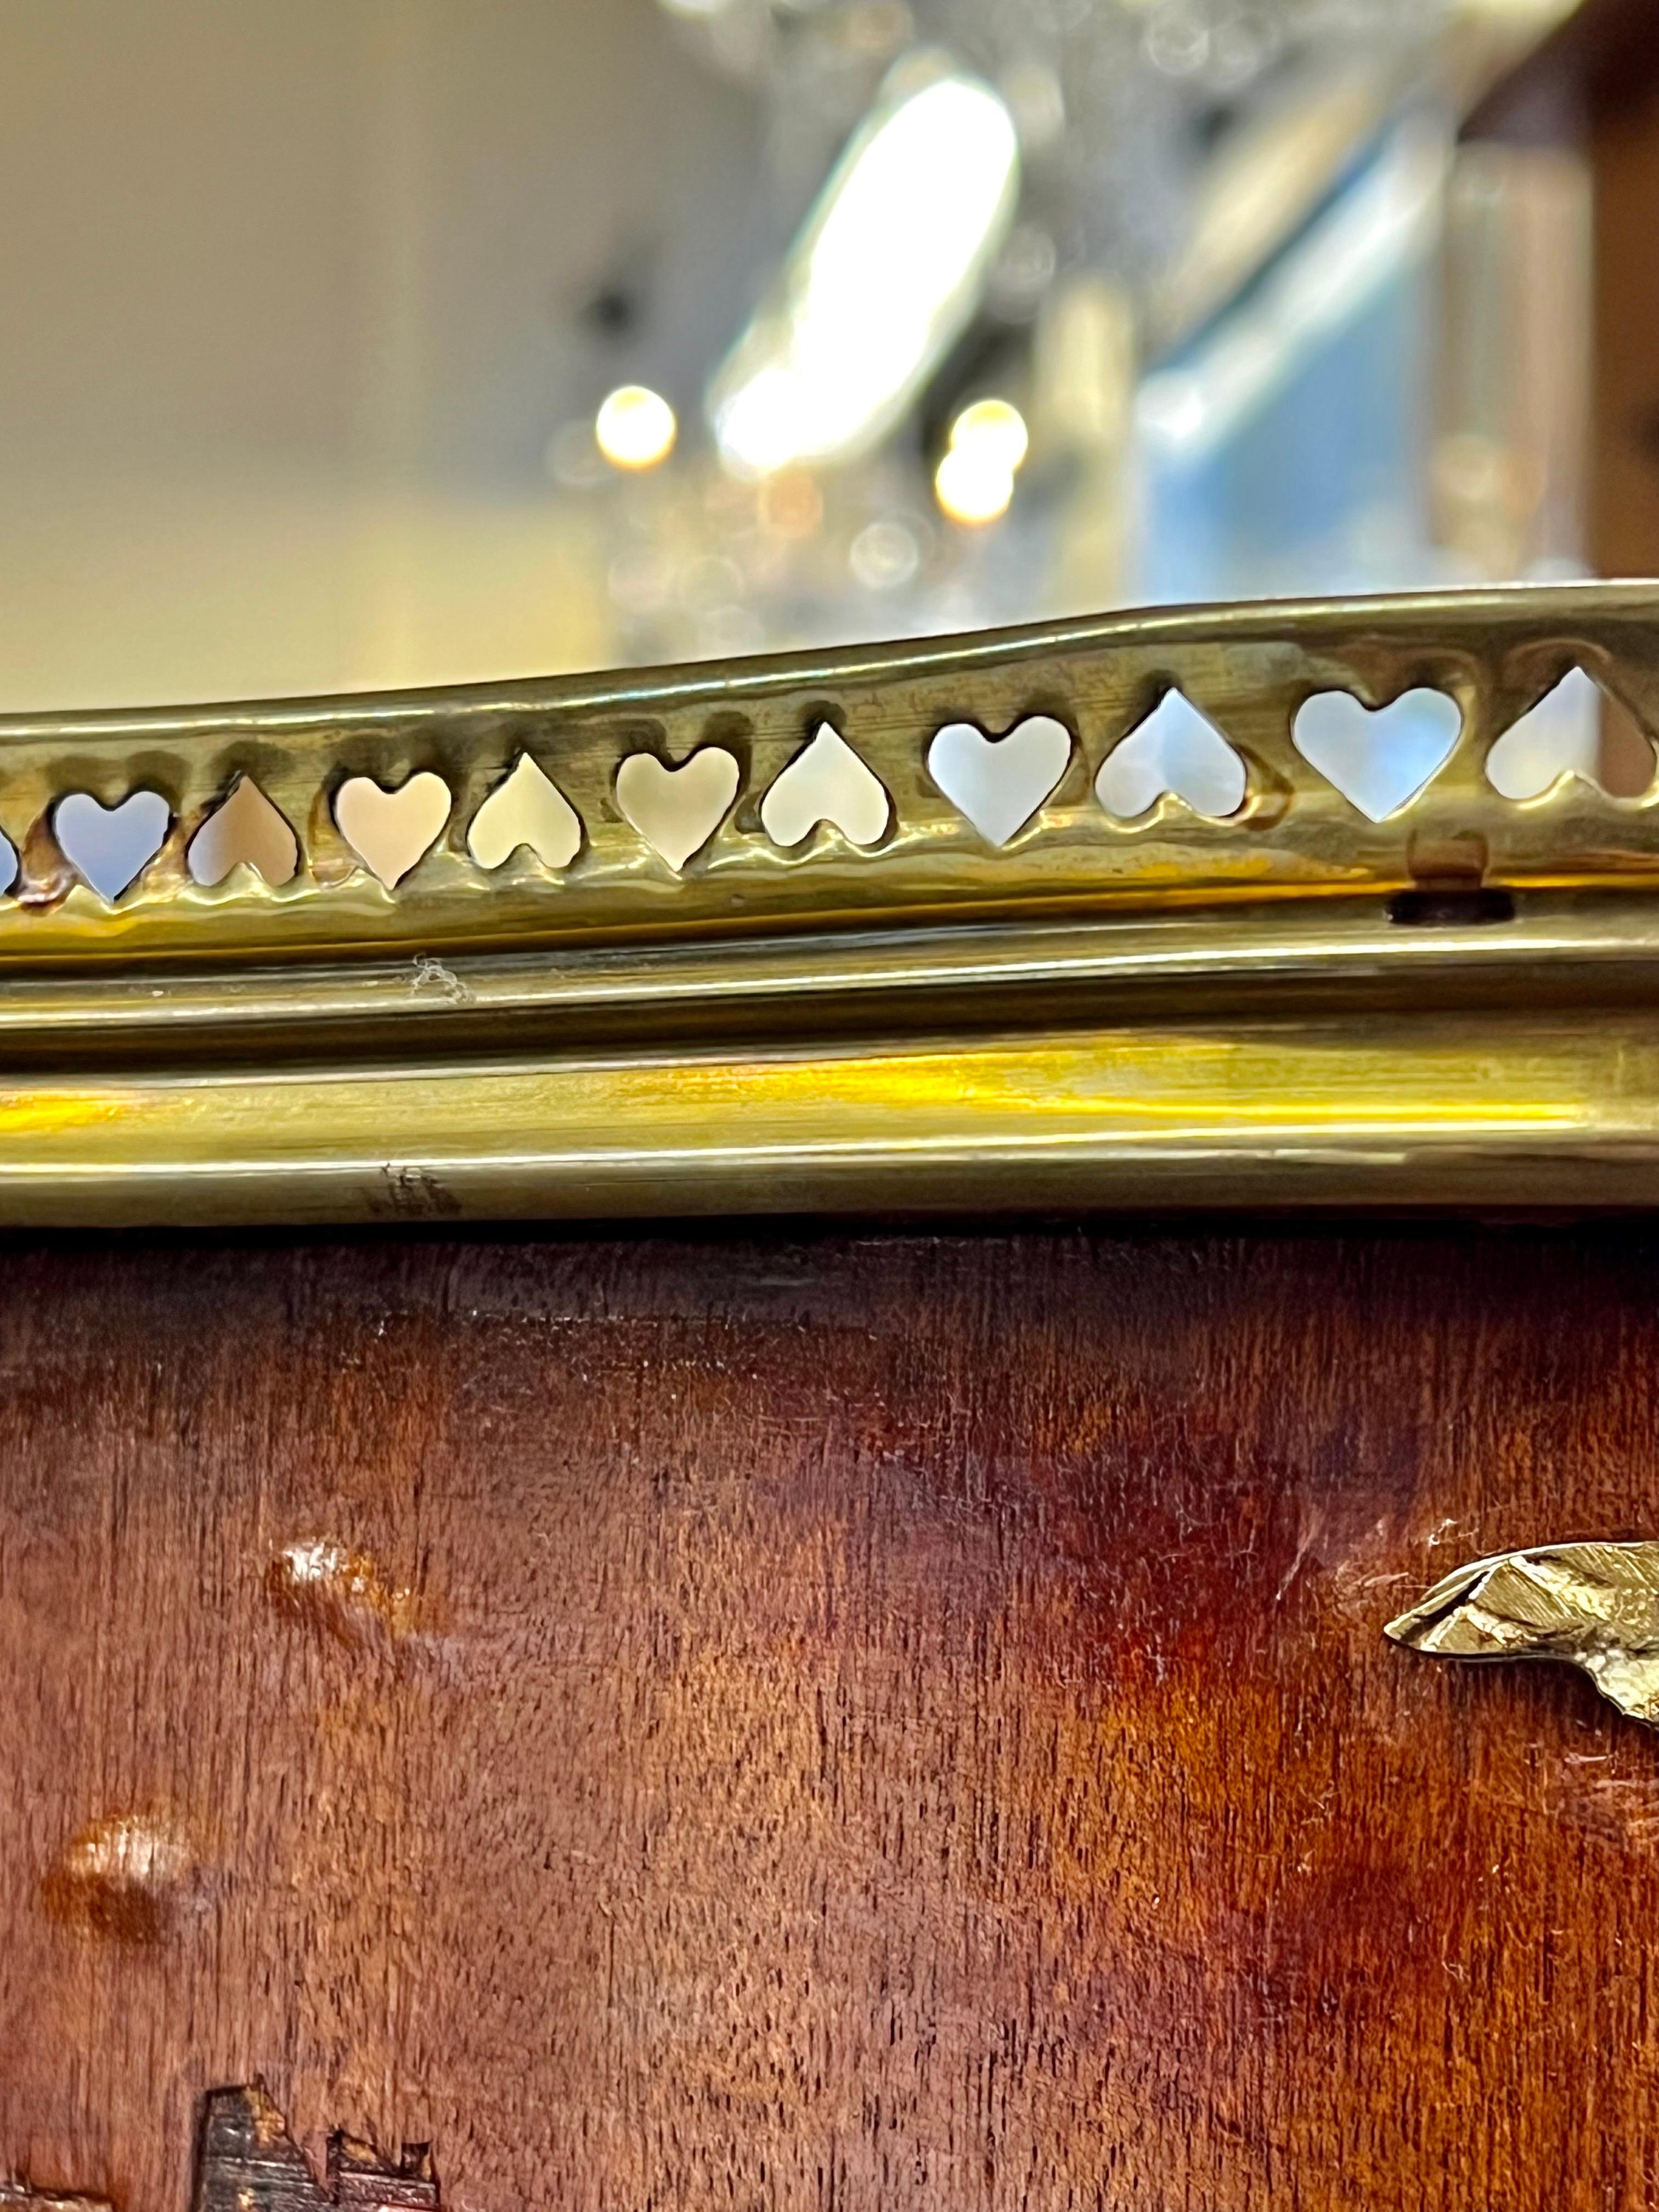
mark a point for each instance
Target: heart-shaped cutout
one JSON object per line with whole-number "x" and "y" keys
{"x": 525, "y": 808}
{"x": 998, "y": 783}
{"x": 1175, "y": 749}
{"x": 1380, "y": 759}
{"x": 391, "y": 831}
{"x": 247, "y": 829}
{"x": 826, "y": 782}
{"x": 1560, "y": 736}
{"x": 677, "y": 810}
{"x": 110, "y": 847}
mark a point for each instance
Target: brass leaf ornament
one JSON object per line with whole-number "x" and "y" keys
{"x": 1594, "y": 1605}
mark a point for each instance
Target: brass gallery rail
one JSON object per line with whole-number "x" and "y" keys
{"x": 877, "y": 928}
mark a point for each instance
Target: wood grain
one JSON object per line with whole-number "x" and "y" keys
{"x": 887, "y": 1720}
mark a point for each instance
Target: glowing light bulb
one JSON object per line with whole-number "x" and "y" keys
{"x": 974, "y": 482}
{"x": 994, "y": 426}
{"x": 635, "y": 427}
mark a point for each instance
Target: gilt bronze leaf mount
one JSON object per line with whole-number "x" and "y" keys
{"x": 1596, "y": 1606}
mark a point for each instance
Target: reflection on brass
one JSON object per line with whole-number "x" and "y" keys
{"x": 1596, "y": 1606}
{"x": 710, "y": 1005}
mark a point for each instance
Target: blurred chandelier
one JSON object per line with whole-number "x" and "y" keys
{"x": 1117, "y": 104}
{"x": 992, "y": 216}
{"x": 989, "y": 146}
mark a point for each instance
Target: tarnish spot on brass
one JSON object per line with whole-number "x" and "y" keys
{"x": 409, "y": 1193}
{"x": 130, "y": 1876}
{"x": 45, "y": 878}
{"x": 1594, "y": 1606}
{"x": 340, "y": 1592}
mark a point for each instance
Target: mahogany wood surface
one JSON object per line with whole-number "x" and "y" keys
{"x": 824, "y": 1719}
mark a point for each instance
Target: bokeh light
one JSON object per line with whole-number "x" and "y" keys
{"x": 974, "y": 482}
{"x": 997, "y": 425}
{"x": 635, "y": 427}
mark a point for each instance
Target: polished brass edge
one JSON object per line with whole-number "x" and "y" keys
{"x": 1312, "y": 959}
{"x": 1415, "y": 1106}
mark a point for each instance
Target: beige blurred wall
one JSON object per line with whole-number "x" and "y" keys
{"x": 292, "y": 296}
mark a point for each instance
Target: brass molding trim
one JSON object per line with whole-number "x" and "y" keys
{"x": 1295, "y": 1004}
{"x": 1248, "y": 670}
